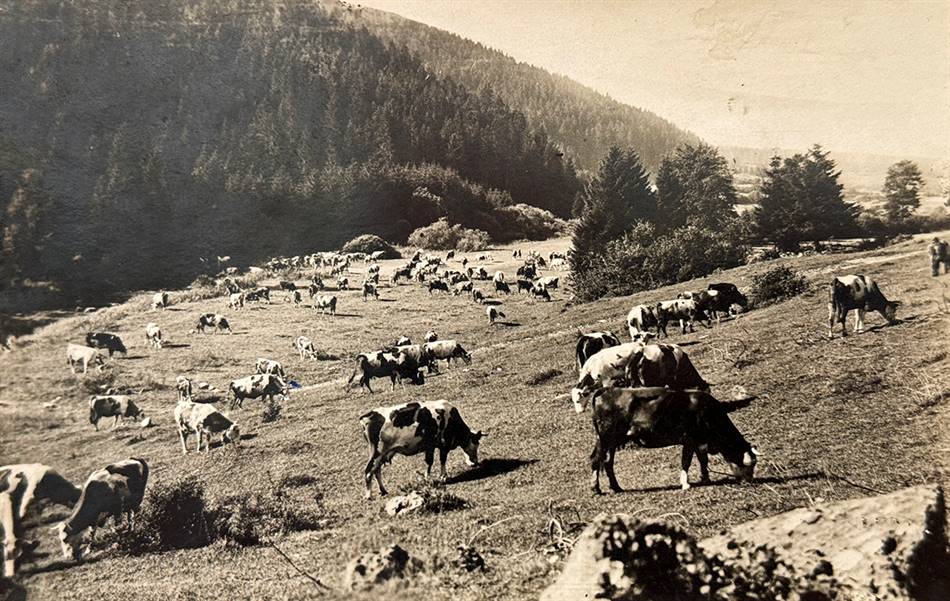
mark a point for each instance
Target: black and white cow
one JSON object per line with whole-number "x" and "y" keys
{"x": 684, "y": 310}
{"x": 493, "y": 315}
{"x": 639, "y": 321}
{"x": 105, "y": 340}
{"x": 116, "y": 406}
{"x": 269, "y": 366}
{"x": 160, "y": 300}
{"x": 305, "y": 347}
{"x": 413, "y": 428}
{"x": 326, "y": 303}
{"x": 592, "y": 343}
{"x": 502, "y": 287}
{"x": 369, "y": 289}
{"x": 660, "y": 417}
{"x": 859, "y": 293}
{"x": 215, "y": 321}
{"x": 380, "y": 364}
{"x": 259, "y": 386}
{"x": 437, "y": 285}
{"x": 524, "y": 285}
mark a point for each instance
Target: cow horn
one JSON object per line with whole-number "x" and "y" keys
{"x": 755, "y": 451}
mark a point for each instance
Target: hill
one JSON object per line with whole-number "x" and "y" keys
{"x": 833, "y": 420}
{"x": 137, "y": 139}
{"x": 583, "y": 122}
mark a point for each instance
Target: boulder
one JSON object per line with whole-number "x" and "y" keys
{"x": 370, "y": 569}
{"x": 404, "y": 504}
{"x": 884, "y": 547}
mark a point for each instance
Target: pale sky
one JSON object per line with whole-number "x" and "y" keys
{"x": 854, "y": 76}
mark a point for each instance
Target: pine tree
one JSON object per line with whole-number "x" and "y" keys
{"x": 902, "y": 191}
{"x": 694, "y": 185}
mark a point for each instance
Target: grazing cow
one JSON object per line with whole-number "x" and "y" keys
{"x": 493, "y": 314}
{"x": 413, "y": 428}
{"x": 77, "y": 353}
{"x": 236, "y": 300}
{"x": 288, "y": 286}
{"x": 403, "y": 341}
{"x": 377, "y": 255}
{"x": 447, "y": 350}
{"x": 590, "y": 344}
{"x": 215, "y": 321}
{"x": 558, "y": 263}
{"x": 438, "y": 285}
{"x": 381, "y": 364}
{"x": 527, "y": 271}
{"x": 430, "y": 336}
{"x": 305, "y": 347}
{"x": 153, "y": 335}
{"x": 110, "y": 492}
{"x": 525, "y": 286}
{"x": 313, "y": 290}
{"x": 660, "y": 417}
{"x": 478, "y": 296}
{"x": 404, "y": 272}
{"x": 343, "y": 284}
{"x": 463, "y": 286}
{"x": 541, "y": 292}
{"x": 722, "y": 296}
{"x": 499, "y": 277}
{"x": 103, "y": 340}
{"x": 859, "y": 293}
{"x": 259, "y": 386}
{"x": 269, "y": 366}
{"x": 326, "y": 303}
{"x": 450, "y": 255}
{"x": 369, "y": 289}
{"x": 204, "y": 421}
{"x": 639, "y": 321}
{"x": 685, "y": 310}
{"x": 502, "y": 287}
{"x": 418, "y": 353}
{"x": 183, "y": 386}
{"x": 548, "y": 282}
{"x": 258, "y": 294}
{"x": 115, "y": 406}
{"x": 296, "y": 298}
{"x": 603, "y": 369}
{"x": 160, "y": 300}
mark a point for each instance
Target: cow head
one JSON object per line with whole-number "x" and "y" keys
{"x": 643, "y": 336}
{"x": 232, "y": 434}
{"x": 70, "y": 542}
{"x": 582, "y": 393}
{"x": 742, "y": 466}
{"x": 890, "y": 310}
{"x": 470, "y": 448}
{"x": 99, "y": 362}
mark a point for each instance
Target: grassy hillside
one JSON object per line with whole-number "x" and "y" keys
{"x": 871, "y": 409}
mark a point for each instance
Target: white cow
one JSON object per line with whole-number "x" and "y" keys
{"x": 602, "y": 370}
{"x": 204, "y": 421}
{"x": 77, "y": 353}
{"x": 153, "y": 335}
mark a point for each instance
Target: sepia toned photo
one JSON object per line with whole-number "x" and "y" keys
{"x": 474, "y": 300}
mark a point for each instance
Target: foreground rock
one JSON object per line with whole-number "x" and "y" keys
{"x": 403, "y": 504}
{"x": 370, "y": 569}
{"x": 887, "y": 547}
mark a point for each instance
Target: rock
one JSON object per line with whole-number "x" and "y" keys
{"x": 370, "y": 569}
{"x": 404, "y": 504}
{"x": 897, "y": 541}
{"x": 203, "y": 386}
{"x": 147, "y": 422}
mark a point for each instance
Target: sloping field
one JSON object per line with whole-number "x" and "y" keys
{"x": 835, "y": 419}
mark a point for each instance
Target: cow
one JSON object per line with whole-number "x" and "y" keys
{"x": 77, "y": 353}
{"x": 269, "y": 366}
{"x": 464, "y": 286}
{"x": 590, "y": 344}
{"x": 450, "y": 255}
{"x": 215, "y": 321}
{"x": 104, "y": 340}
{"x": 326, "y": 303}
{"x": 558, "y": 263}
{"x": 548, "y": 283}
{"x": 377, "y": 255}
{"x": 723, "y": 296}
{"x": 418, "y": 353}
{"x": 288, "y": 286}
{"x": 437, "y": 285}
{"x": 404, "y": 272}
{"x": 369, "y": 289}
{"x": 430, "y": 336}
{"x": 639, "y": 321}
{"x": 478, "y": 296}
{"x": 659, "y": 417}
{"x": 447, "y": 350}
{"x": 540, "y": 292}
{"x": 685, "y": 310}
{"x": 527, "y": 271}
{"x": 160, "y": 300}
{"x": 183, "y": 386}
{"x": 236, "y": 300}
{"x": 603, "y": 369}
{"x": 153, "y": 335}
{"x": 313, "y": 290}
{"x": 403, "y": 341}
{"x": 343, "y": 284}
{"x": 305, "y": 347}
{"x": 381, "y": 364}
{"x": 258, "y": 294}
{"x": 413, "y": 428}
{"x": 115, "y": 490}
{"x": 258, "y": 386}
{"x": 859, "y": 293}
{"x": 502, "y": 287}
{"x": 204, "y": 421}
{"x": 525, "y": 286}
{"x": 498, "y": 277}
{"x": 115, "y": 406}
{"x": 493, "y": 314}
{"x": 230, "y": 286}
{"x": 296, "y": 298}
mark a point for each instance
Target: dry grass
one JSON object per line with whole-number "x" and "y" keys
{"x": 870, "y": 408}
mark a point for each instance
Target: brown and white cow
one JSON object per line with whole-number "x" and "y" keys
{"x": 859, "y": 293}
{"x": 660, "y": 417}
{"x": 413, "y": 428}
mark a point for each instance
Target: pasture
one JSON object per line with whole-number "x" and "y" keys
{"x": 834, "y": 419}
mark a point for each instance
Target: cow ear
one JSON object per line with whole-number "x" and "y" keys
{"x": 479, "y": 435}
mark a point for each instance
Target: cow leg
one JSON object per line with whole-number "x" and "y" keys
{"x": 859, "y": 321}
{"x": 430, "y": 457}
{"x": 115, "y": 421}
{"x": 365, "y": 382}
{"x": 596, "y": 463}
{"x": 443, "y": 456}
{"x": 609, "y": 468}
{"x": 181, "y": 435}
{"x": 832, "y": 315}
{"x": 703, "y": 455}
{"x": 686, "y": 460}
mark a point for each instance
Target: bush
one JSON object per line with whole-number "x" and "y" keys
{"x": 271, "y": 411}
{"x": 368, "y": 243}
{"x": 542, "y": 376}
{"x": 248, "y": 520}
{"x": 439, "y": 235}
{"x": 174, "y": 515}
{"x": 532, "y": 223}
{"x": 777, "y": 284}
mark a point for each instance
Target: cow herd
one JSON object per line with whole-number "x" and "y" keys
{"x": 642, "y": 392}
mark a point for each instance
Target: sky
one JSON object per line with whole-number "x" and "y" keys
{"x": 868, "y": 77}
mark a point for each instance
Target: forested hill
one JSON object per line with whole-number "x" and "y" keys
{"x": 584, "y": 122}
{"x": 138, "y": 137}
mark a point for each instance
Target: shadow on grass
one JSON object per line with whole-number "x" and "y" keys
{"x": 176, "y": 345}
{"x": 730, "y": 480}
{"x": 508, "y": 324}
{"x": 492, "y": 302}
{"x": 60, "y": 564}
{"x": 488, "y": 468}
{"x": 344, "y": 315}
{"x": 135, "y": 357}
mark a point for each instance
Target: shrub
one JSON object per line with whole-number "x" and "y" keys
{"x": 777, "y": 284}
{"x": 439, "y": 235}
{"x": 435, "y": 499}
{"x": 368, "y": 243}
{"x": 174, "y": 515}
{"x": 542, "y": 376}
{"x": 96, "y": 382}
{"x": 271, "y": 411}
{"x": 248, "y": 520}
{"x": 532, "y": 223}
